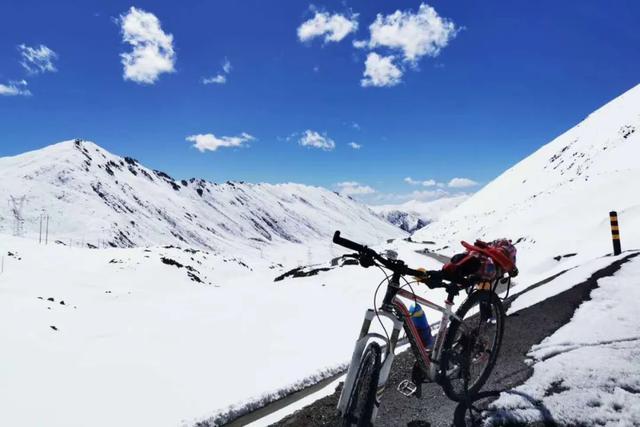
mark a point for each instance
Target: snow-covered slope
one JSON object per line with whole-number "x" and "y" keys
{"x": 557, "y": 200}
{"x": 97, "y": 198}
{"x": 415, "y": 214}
{"x": 164, "y": 336}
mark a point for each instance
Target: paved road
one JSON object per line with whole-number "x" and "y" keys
{"x": 522, "y": 330}
{"x": 440, "y": 258}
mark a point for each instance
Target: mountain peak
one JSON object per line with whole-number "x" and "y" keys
{"x": 104, "y": 199}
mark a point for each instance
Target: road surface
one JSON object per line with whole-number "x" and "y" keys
{"x": 522, "y": 330}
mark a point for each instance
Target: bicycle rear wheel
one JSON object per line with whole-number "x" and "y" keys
{"x": 360, "y": 406}
{"x": 469, "y": 354}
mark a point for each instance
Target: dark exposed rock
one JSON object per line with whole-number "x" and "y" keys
{"x": 301, "y": 272}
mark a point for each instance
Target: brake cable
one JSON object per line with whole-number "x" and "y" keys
{"x": 375, "y": 305}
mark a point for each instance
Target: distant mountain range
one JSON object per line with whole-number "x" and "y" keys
{"x": 95, "y": 198}
{"x": 413, "y": 215}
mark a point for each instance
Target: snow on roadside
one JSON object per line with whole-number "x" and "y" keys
{"x": 233, "y": 412}
{"x": 278, "y": 415}
{"x": 574, "y": 275}
{"x": 588, "y": 371}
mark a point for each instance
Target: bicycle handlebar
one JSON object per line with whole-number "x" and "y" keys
{"x": 347, "y": 243}
{"x": 396, "y": 266}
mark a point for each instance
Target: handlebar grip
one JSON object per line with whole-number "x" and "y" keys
{"x": 347, "y": 243}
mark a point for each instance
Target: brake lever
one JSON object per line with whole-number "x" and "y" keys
{"x": 366, "y": 260}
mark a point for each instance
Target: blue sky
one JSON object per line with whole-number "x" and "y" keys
{"x": 490, "y": 83}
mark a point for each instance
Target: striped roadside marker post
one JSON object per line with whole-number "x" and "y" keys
{"x": 615, "y": 232}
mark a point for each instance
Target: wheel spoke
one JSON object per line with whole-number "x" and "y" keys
{"x": 473, "y": 351}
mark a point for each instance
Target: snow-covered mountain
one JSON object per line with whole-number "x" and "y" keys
{"x": 78, "y": 324}
{"x": 96, "y": 198}
{"x": 557, "y": 201}
{"x": 415, "y": 214}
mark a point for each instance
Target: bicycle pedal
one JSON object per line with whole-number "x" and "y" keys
{"x": 407, "y": 388}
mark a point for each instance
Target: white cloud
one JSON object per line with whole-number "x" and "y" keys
{"x": 355, "y": 145}
{"x": 411, "y": 181}
{"x": 314, "y": 139}
{"x": 426, "y": 195}
{"x": 425, "y": 183}
{"x": 454, "y": 183}
{"x": 226, "y": 66}
{"x": 420, "y": 195}
{"x": 353, "y": 188}
{"x": 380, "y": 71}
{"x": 152, "y": 49}
{"x": 415, "y": 34}
{"x": 37, "y": 59}
{"x": 355, "y": 125}
{"x": 219, "y": 79}
{"x": 14, "y": 88}
{"x": 334, "y": 27}
{"x": 210, "y": 142}
{"x": 360, "y": 44}
{"x": 462, "y": 183}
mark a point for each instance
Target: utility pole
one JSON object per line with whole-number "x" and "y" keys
{"x": 46, "y": 239}
{"x": 40, "y": 235}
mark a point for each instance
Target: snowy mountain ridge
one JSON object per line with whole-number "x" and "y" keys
{"x": 102, "y": 200}
{"x": 414, "y": 214}
{"x": 557, "y": 200}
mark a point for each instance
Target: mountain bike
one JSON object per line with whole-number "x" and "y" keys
{"x": 464, "y": 351}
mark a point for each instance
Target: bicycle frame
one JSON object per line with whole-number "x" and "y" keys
{"x": 394, "y": 309}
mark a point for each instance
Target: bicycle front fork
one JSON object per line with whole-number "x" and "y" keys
{"x": 364, "y": 338}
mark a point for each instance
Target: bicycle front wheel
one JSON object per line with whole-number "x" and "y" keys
{"x": 360, "y": 407}
{"x": 469, "y": 353}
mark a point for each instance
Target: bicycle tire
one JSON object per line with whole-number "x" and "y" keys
{"x": 363, "y": 394}
{"x": 457, "y": 349}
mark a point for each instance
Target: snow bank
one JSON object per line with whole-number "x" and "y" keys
{"x": 588, "y": 371}
{"x": 533, "y": 294}
{"x": 235, "y": 411}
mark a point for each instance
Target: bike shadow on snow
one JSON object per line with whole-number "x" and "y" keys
{"x": 474, "y": 412}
